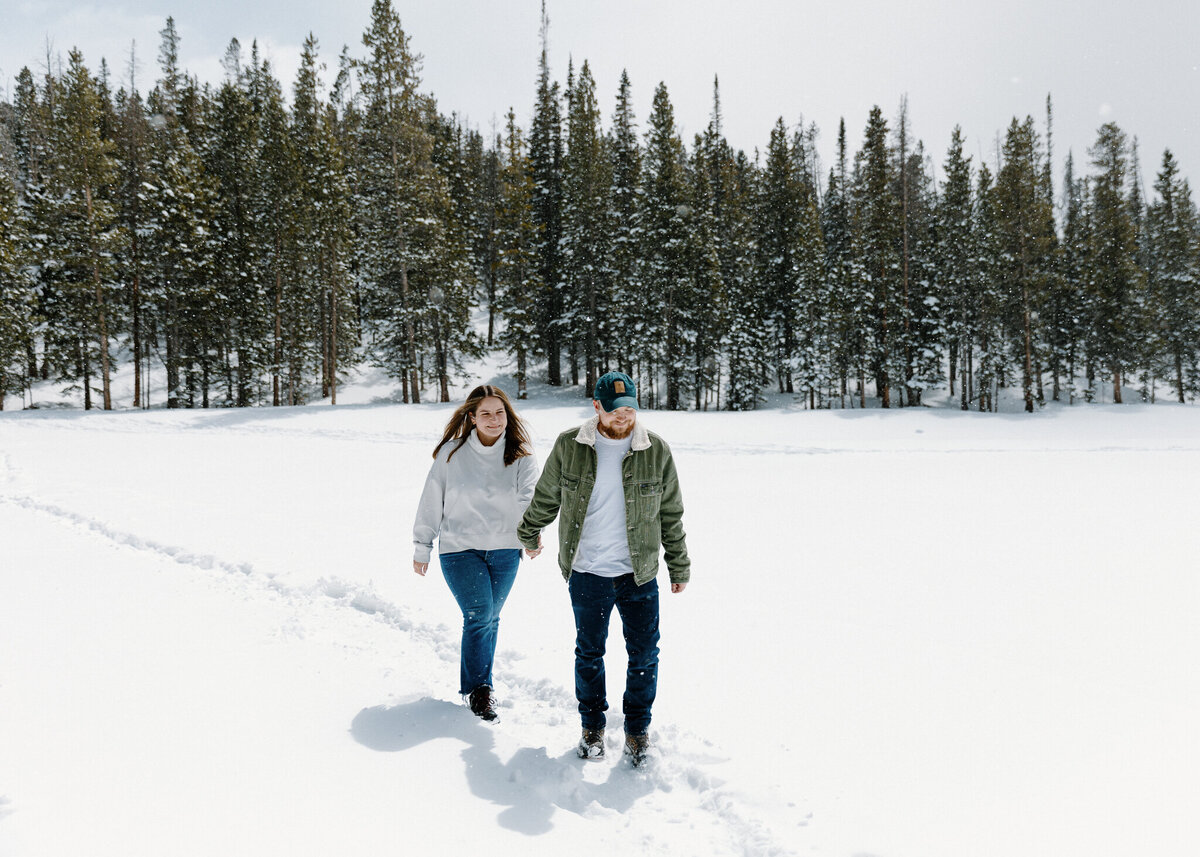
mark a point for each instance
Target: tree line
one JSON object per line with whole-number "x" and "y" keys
{"x": 252, "y": 249}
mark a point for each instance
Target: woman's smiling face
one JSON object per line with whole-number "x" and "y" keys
{"x": 490, "y": 419}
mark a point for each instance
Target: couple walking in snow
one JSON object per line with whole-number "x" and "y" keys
{"x": 613, "y": 487}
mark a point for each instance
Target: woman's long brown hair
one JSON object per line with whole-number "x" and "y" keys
{"x": 516, "y": 439}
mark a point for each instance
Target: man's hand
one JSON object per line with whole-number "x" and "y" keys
{"x": 678, "y": 587}
{"x": 420, "y": 567}
{"x": 534, "y": 553}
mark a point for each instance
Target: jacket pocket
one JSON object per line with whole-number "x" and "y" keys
{"x": 649, "y": 497}
{"x": 568, "y": 489}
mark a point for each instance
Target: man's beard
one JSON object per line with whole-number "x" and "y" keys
{"x": 617, "y": 433}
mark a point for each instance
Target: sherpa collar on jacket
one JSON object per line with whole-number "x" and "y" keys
{"x": 587, "y": 435}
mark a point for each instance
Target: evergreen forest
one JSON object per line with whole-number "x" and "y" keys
{"x": 246, "y": 244}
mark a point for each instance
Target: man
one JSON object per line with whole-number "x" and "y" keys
{"x": 614, "y": 489}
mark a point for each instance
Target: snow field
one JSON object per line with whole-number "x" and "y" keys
{"x": 921, "y": 633}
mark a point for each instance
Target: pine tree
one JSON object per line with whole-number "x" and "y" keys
{"x": 778, "y": 248}
{"x": 179, "y": 234}
{"x": 814, "y": 336}
{"x": 449, "y": 279}
{"x": 82, "y": 231}
{"x": 1074, "y": 268}
{"x": 322, "y": 314}
{"x": 876, "y": 220}
{"x": 409, "y": 256}
{"x": 132, "y": 139}
{"x": 625, "y": 218}
{"x": 666, "y": 253}
{"x": 479, "y": 202}
{"x": 546, "y": 158}
{"x": 16, "y": 288}
{"x": 989, "y": 291}
{"x": 954, "y": 241}
{"x": 731, "y": 322}
{"x": 707, "y": 292}
{"x": 283, "y": 214}
{"x": 1025, "y": 223}
{"x": 240, "y": 272}
{"x": 1146, "y": 337}
{"x": 32, "y": 146}
{"x": 584, "y": 245}
{"x": 848, "y": 309}
{"x": 1173, "y": 273}
{"x": 1115, "y": 276}
{"x": 747, "y": 345}
{"x": 518, "y": 279}
{"x": 920, "y": 343}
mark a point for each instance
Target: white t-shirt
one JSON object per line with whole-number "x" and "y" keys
{"x": 603, "y": 543}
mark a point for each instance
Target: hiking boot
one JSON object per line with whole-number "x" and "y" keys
{"x": 636, "y": 747}
{"x": 591, "y": 744}
{"x": 482, "y": 704}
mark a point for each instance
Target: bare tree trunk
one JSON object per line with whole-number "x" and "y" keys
{"x": 1028, "y": 379}
{"x": 1179, "y": 376}
{"x": 277, "y": 361}
{"x": 99, "y": 291}
{"x": 333, "y": 344}
{"x": 137, "y": 330}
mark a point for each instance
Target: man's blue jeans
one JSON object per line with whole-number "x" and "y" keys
{"x": 480, "y": 581}
{"x": 593, "y": 598}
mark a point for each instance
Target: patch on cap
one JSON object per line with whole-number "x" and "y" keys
{"x": 619, "y": 387}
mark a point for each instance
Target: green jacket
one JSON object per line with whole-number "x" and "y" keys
{"x": 653, "y": 503}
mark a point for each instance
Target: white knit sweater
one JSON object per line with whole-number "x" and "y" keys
{"x": 472, "y": 501}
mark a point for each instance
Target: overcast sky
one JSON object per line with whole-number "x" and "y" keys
{"x": 975, "y": 63}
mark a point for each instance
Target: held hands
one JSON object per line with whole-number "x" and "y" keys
{"x": 678, "y": 587}
{"x": 420, "y": 567}
{"x": 534, "y": 553}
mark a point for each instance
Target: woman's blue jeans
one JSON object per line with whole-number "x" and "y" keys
{"x": 593, "y": 599}
{"x": 480, "y": 581}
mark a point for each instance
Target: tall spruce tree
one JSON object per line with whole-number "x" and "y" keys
{"x": 16, "y": 288}
{"x": 82, "y": 231}
{"x": 919, "y": 357}
{"x": 732, "y": 324}
{"x": 584, "y": 246}
{"x": 399, "y": 193}
{"x": 179, "y": 236}
{"x": 449, "y": 280}
{"x": 666, "y": 252}
{"x": 625, "y": 213}
{"x": 955, "y": 264}
{"x": 132, "y": 139}
{"x": 849, "y": 319}
{"x": 1173, "y": 274}
{"x": 243, "y": 245}
{"x": 876, "y": 231}
{"x": 30, "y": 125}
{"x": 1073, "y": 272}
{"x": 989, "y": 293}
{"x": 724, "y": 261}
{"x": 707, "y": 315}
{"x": 814, "y": 337}
{"x": 1116, "y": 278}
{"x": 1026, "y": 232}
{"x": 519, "y": 283}
{"x": 546, "y": 158}
{"x": 323, "y": 314}
{"x": 779, "y": 253}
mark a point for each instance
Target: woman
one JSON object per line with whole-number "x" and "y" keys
{"x": 482, "y": 479}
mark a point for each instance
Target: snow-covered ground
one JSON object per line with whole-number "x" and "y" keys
{"x": 916, "y": 633}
